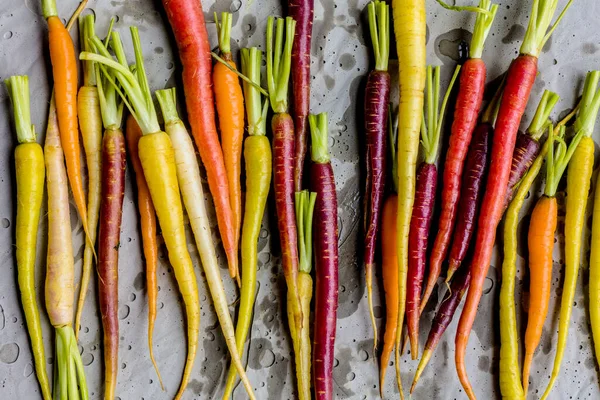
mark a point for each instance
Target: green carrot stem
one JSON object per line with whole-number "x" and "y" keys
{"x": 431, "y": 130}
{"x": 483, "y": 24}
{"x": 379, "y": 24}
{"x": 86, "y": 32}
{"x": 18, "y": 91}
{"x": 393, "y": 138}
{"x": 49, "y": 8}
{"x": 255, "y": 111}
{"x": 224, "y": 32}
{"x": 239, "y": 74}
{"x": 536, "y": 37}
{"x": 319, "y": 138}
{"x": 279, "y": 62}
{"x": 590, "y": 103}
{"x": 558, "y": 159}
{"x": 463, "y": 8}
{"x": 305, "y": 206}
{"x": 167, "y": 99}
{"x": 541, "y": 119}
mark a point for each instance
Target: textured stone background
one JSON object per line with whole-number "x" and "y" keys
{"x": 340, "y": 62}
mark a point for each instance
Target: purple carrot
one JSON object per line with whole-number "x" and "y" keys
{"x": 326, "y": 258}
{"x": 377, "y": 97}
{"x": 302, "y": 11}
{"x": 527, "y": 145}
{"x": 424, "y": 200}
{"x": 470, "y": 195}
{"x": 442, "y": 319}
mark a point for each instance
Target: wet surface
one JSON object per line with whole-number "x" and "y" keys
{"x": 340, "y": 61}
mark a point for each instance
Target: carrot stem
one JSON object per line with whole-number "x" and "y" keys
{"x": 540, "y": 122}
{"x": 279, "y": 62}
{"x": 379, "y": 25}
{"x": 541, "y": 17}
{"x": 305, "y": 207}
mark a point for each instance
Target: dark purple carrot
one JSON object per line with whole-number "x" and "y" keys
{"x": 472, "y": 185}
{"x": 424, "y": 200}
{"x": 326, "y": 258}
{"x": 527, "y": 145}
{"x": 442, "y": 319}
{"x": 377, "y": 96}
{"x": 111, "y": 210}
{"x": 302, "y": 11}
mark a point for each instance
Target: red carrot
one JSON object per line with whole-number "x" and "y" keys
{"x": 187, "y": 20}
{"x": 519, "y": 82}
{"x": 111, "y": 210}
{"x": 424, "y": 201}
{"x": 302, "y": 11}
{"x": 442, "y": 319}
{"x": 377, "y": 97}
{"x": 466, "y": 111}
{"x": 326, "y": 258}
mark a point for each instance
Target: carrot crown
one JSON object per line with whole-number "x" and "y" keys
{"x": 536, "y": 36}
{"x": 483, "y": 24}
{"x": 167, "y": 99}
{"x": 590, "y": 103}
{"x": 134, "y": 88}
{"x": 256, "y": 113}
{"x": 279, "y": 61}
{"x": 18, "y": 91}
{"x": 558, "y": 159}
{"x": 319, "y": 149}
{"x": 432, "y": 128}
{"x": 379, "y": 24}
{"x": 305, "y": 206}
{"x": 224, "y": 32}
{"x": 541, "y": 119}
{"x": 86, "y": 32}
{"x": 49, "y": 8}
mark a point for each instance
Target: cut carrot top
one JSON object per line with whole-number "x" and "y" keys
{"x": 379, "y": 24}
{"x": 305, "y": 206}
{"x": 256, "y": 112}
{"x": 541, "y": 17}
{"x": 279, "y": 62}
{"x": 541, "y": 122}
{"x": 319, "y": 133}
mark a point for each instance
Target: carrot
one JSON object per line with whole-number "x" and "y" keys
{"x": 594, "y": 306}
{"x": 389, "y": 262}
{"x": 305, "y": 205}
{"x": 64, "y": 72}
{"x": 90, "y": 123}
{"x": 377, "y": 97}
{"x": 527, "y": 145}
{"x": 148, "y": 229}
{"x": 69, "y": 376}
{"x": 541, "y": 243}
{"x": 187, "y": 20}
{"x": 301, "y": 11}
{"x": 326, "y": 257}
{"x": 30, "y": 175}
{"x": 578, "y": 186}
{"x": 510, "y": 373}
{"x": 282, "y": 125}
{"x": 426, "y": 183}
{"x": 443, "y": 317}
{"x": 409, "y": 30}
{"x": 519, "y": 82}
{"x": 229, "y": 102}
{"x": 466, "y": 110}
{"x": 158, "y": 162}
{"x": 257, "y": 153}
{"x": 113, "y": 164}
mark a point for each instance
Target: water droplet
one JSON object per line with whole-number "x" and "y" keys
{"x": 86, "y": 329}
{"x": 123, "y": 366}
{"x": 124, "y": 312}
{"x": 161, "y": 305}
{"x": 87, "y": 359}
{"x": 9, "y": 353}
{"x": 210, "y": 336}
{"x": 351, "y": 376}
{"x": 151, "y": 381}
{"x": 5, "y": 223}
{"x": 129, "y": 347}
{"x": 488, "y": 285}
{"x": 264, "y": 233}
{"x": 28, "y": 370}
{"x": 170, "y": 65}
{"x": 363, "y": 355}
{"x": 267, "y": 358}
{"x": 132, "y": 297}
{"x": 235, "y": 6}
{"x": 2, "y": 318}
{"x": 14, "y": 320}
{"x": 8, "y": 35}
{"x": 80, "y": 347}
{"x": 336, "y": 362}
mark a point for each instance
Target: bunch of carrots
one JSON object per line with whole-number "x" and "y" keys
{"x": 488, "y": 170}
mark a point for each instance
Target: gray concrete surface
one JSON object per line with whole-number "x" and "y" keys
{"x": 340, "y": 61}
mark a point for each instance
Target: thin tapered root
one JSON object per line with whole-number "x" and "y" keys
{"x": 369, "y": 280}
{"x": 422, "y": 364}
